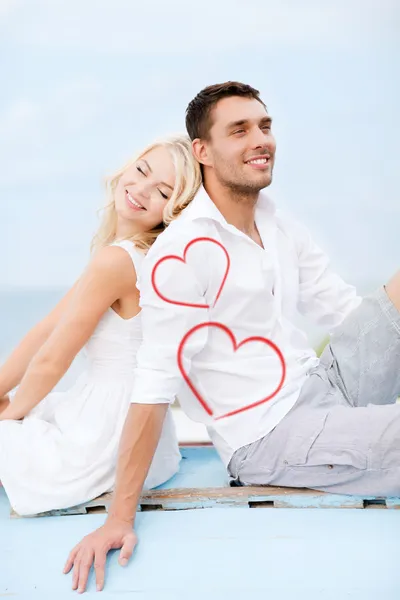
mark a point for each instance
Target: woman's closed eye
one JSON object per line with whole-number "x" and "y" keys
{"x": 143, "y": 173}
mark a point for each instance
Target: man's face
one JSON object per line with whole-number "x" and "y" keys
{"x": 241, "y": 149}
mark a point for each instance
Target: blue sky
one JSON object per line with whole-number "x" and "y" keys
{"x": 87, "y": 83}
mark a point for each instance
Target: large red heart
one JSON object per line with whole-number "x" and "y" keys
{"x": 174, "y": 257}
{"x": 236, "y": 346}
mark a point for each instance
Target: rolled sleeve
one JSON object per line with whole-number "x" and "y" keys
{"x": 157, "y": 377}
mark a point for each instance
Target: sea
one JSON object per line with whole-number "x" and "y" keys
{"x": 21, "y": 308}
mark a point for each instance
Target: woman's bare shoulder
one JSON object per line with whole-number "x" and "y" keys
{"x": 113, "y": 264}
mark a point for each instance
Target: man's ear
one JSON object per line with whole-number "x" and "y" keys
{"x": 201, "y": 153}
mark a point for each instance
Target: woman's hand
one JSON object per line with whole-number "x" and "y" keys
{"x": 93, "y": 550}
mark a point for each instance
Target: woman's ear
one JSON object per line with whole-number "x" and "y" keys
{"x": 201, "y": 152}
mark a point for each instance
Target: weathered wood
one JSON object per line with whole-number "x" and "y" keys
{"x": 202, "y": 482}
{"x": 240, "y": 497}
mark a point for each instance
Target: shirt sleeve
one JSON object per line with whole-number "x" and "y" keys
{"x": 324, "y": 296}
{"x": 157, "y": 377}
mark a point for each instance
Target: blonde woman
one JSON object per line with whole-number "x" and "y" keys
{"x": 60, "y": 449}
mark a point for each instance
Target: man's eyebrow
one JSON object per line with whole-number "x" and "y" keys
{"x": 162, "y": 182}
{"x": 233, "y": 124}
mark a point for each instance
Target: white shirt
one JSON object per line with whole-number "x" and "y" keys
{"x": 263, "y": 292}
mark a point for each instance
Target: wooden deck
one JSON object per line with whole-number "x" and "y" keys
{"x": 203, "y": 483}
{"x": 219, "y": 552}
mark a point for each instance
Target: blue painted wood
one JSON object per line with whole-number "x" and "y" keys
{"x": 200, "y": 467}
{"x": 204, "y": 483}
{"x": 225, "y": 554}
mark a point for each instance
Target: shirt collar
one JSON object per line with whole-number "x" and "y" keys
{"x": 202, "y": 207}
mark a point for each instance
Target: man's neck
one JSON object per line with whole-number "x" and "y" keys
{"x": 236, "y": 208}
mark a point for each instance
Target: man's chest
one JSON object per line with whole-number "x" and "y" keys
{"x": 255, "y": 278}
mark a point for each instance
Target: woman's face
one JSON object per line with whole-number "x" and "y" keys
{"x": 144, "y": 189}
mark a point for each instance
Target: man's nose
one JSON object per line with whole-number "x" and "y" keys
{"x": 260, "y": 140}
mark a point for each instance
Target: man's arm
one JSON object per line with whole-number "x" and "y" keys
{"x": 139, "y": 440}
{"x": 324, "y": 296}
{"x": 156, "y": 383}
{"x": 138, "y": 444}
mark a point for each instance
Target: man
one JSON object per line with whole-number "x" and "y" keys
{"x": 297, "y": 422}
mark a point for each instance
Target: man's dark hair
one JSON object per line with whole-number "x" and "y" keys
{"x": 198, "y": 112}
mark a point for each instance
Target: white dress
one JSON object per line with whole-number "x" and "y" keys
{"x": 65, "y": 451}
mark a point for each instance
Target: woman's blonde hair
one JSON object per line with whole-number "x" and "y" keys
{"x": 187, "y": 183}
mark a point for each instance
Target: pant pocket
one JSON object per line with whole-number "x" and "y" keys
{"x": 329, "y": 457}
{"x": 314, "y": 448}
{"x": 299, "y": 445}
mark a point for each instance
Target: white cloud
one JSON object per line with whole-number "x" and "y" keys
{"x": 7, "y": 7}
{"x": 45, "y": 132}
{"x": 19, "y": 118}
{"x": 32, "y": 127}
{"x": 100, "y": 79}
{"x": 68, "y": 106}
{"x": 183, "y": 26}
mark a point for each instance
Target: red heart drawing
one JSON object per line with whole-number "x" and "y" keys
{"x": 236, "y": 346}
{"x": 174, "y": 257}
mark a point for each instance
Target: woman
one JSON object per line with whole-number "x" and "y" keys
{"x": 60, "y": 449}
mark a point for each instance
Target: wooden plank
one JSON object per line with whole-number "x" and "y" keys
{"x": 240, "y": 497}
{"x": 203, "y": 482}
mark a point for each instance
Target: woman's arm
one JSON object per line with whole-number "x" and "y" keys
{"x": 4, "y": 403}
{"x": 110, "y": 276}
{"x": 12, "y": 371}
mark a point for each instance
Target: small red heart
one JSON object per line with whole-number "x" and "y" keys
{"x": 174, "y": 257}
{"x": 236, "y": 346}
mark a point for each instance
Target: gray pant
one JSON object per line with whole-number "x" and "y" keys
{"x": 343, "y": 434}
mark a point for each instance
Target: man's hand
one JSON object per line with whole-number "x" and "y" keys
{"x": 93, "y": 549}
{"x": 140, "y": 436}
